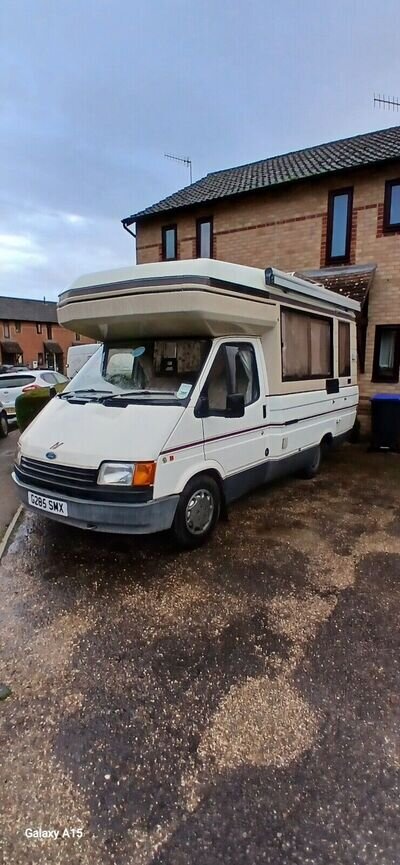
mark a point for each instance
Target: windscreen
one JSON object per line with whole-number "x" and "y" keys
{"x": 156, "y": 367}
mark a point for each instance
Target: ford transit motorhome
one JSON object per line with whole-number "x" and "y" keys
{"x": 211, "y": 378}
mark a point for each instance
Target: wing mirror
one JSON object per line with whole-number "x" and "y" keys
{"x": 202, "y": 408}
{"x": 235, "y": 405}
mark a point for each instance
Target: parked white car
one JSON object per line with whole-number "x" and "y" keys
{"x": 12, "y": 384}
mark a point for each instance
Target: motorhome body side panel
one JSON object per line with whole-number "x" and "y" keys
{"x": 301, "y": 420}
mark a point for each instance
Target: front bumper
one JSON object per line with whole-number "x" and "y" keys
{"x": 131, "y": 519}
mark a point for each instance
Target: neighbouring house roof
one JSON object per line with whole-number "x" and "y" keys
{"x": 10, "y": 347}
{"x": 25, "y": 309}
{"x": 353, "y": 281}
{"x": 335, "y": 156}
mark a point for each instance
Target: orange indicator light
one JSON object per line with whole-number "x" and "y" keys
{"x": 144, "y": 474}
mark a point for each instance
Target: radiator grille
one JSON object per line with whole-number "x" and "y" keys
{"x": 43, "y": 472}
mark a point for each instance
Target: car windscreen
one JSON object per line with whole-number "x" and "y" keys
{"x": 150, "y": 368}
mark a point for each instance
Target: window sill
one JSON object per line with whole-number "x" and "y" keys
{"x": 332, "y": 262}
{"x": 390, "y": 229}
{"x": 378, "y": 380}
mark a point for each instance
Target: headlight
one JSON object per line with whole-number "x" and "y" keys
{"x": 119, "y": 474}
{"x": 18, "y": 455}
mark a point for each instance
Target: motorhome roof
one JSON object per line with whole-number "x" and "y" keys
{"x": 258, "y": 281}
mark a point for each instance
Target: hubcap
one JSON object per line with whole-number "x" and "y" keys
{"x": 199, "y": 512}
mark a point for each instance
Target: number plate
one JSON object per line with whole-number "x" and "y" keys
{"x": 52, "y": 506}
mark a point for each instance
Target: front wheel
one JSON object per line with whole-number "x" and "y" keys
{"x": 3, "y": 426}
{"x": 197, "y": 512}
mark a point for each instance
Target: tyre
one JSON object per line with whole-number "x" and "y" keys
{"x": 313, "y": 466}
{"x": 3, "y": 425}
{"x": 197, "y": 512}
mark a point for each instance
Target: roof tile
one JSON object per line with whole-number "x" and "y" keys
{"x": 360, "y": 150}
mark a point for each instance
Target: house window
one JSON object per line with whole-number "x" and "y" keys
{"x": 17, "y": 325}
{"x": 340, "y": 207}
{"x": 6, "y": 330}
{"x": 38, "y": 327}
{"x": 344, "y": 348}
{"x": 77, "y": 337}
{"x": 40, "y": 358}
{"x": 204, "y": 238}
{"x": 391, "y": 216}
{"x": 49, "y": 331}
{"x": 386, "y": 353}
{"x": 307, "y": 346}
{"x": 169, "y": 242}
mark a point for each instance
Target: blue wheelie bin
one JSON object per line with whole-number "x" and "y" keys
{"x": 385, "y": 422}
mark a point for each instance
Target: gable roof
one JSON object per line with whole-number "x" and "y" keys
{"x": 346, "y": 153}
{"x": 25, "y": 309}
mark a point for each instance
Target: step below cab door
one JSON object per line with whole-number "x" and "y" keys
{"x": 233, "y": 408}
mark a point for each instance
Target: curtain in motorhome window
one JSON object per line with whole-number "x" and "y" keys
{"x": 295, "y": 345}
{"x": 320, "y": 331}
{"x": 306, "y": 346}
{"x": 344, "y": 348}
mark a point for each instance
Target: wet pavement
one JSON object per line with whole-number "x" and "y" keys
{"x": 237, "y": 704}
{"x": 8, "y": 499}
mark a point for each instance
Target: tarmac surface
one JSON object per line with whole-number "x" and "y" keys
{"x": 237, "y": 705}
{"x": 8, "y": 499}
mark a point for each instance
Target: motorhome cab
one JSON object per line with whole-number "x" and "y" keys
{"x": 211, "y": 378}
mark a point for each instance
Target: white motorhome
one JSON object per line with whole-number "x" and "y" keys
{"x": 212, "y": 378}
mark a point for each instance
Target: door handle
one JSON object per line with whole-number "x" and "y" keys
{"x": 264, "y": 411}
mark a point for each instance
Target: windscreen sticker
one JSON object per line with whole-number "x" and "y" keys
{"x": 184, "y": 390}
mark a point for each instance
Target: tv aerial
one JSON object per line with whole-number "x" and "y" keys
{"x": 184, "y": 159}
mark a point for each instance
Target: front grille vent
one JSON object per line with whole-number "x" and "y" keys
{"x": 45, "y": 472}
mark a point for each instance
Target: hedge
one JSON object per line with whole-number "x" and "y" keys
{"x": 29, "y": 404}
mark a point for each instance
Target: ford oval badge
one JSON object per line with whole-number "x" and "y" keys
{"x": 51, "y": 455}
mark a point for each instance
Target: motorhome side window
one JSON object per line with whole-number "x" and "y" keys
{"x": 344, "y": 348}
{"x": 307, "y": 346}
{"x": 234, "y": 370}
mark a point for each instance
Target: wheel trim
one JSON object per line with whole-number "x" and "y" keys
{"x": 199, "y": 512}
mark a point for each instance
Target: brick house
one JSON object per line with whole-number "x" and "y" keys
{"x": 30, "y": 334}
{"x": 331, "y": 213}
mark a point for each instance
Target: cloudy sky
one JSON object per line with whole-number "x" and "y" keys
{"x": 93, "y": 92}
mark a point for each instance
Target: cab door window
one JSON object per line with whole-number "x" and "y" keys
{"x": 234, "y": 371}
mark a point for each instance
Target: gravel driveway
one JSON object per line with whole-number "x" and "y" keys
{"x": 236, "y": 705}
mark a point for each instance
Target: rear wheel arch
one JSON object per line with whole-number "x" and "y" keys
{"x": 326, "y": 443}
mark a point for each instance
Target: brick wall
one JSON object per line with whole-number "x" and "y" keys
{"x": 285, "y": 227}
{"x": 32, "y": 343}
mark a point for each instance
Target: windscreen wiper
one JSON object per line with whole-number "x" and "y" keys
{"x": 136, "y": 393}
{"x": 94, "y": 390}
